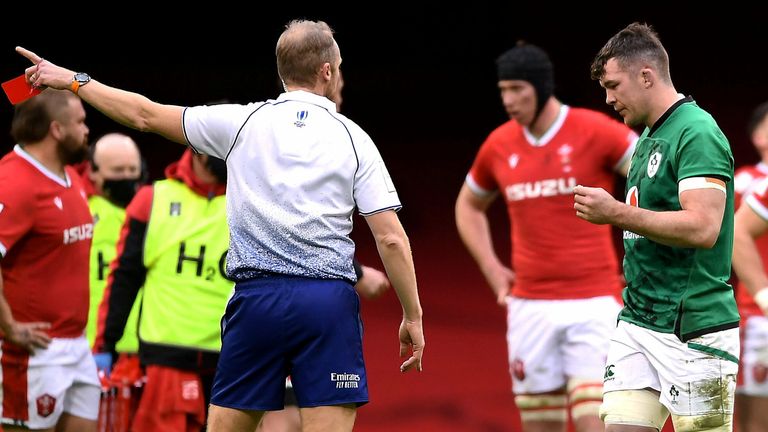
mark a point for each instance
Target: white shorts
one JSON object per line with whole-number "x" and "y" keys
{"x": 696, "y": 377}
{"x": 550, "y": 341}
{"x": 754, "y": 357}
{"x": 38, "y": 388}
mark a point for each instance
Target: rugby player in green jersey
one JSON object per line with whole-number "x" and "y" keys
{"x": 675, "y": 350}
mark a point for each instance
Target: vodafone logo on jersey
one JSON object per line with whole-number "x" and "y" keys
{"x": 632, "y": 197}
{"x": 2, "y": 206}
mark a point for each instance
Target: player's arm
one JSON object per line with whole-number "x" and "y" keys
{"x": 126, "y": 279}
{"x": 127, "y": 273}
{"x": 17, "y": 212}
{"x": 474, "y": 230}
{"x": 130, "y": 109}
{"x": 395, "y": 251}
{"x": 697, "y": 224}
{"x": 27, "y": 335}
{"x": 747, "y": 263}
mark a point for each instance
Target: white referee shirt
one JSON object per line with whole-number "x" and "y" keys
{"x": 296, "y": 171}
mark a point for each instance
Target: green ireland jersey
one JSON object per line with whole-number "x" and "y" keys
{"x": 186, "y": 291}
{"x": 679, "y": 290}
{"x": 107, "y": 221}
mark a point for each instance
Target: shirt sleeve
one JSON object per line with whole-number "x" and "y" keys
{"x": 618, "y": 140}
{"x": 742, "y": 181}
{"x": 213, "y": 129}
{"x": 704, "y": 152}
{"x": 16, "y": 212}
{"x": 480, "y": 178}
{"x": 374, "y": 190}
{"x": 757, "y": 199}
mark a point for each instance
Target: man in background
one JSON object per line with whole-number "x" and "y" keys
{"x": 749, "y": 238}
{"x": 48, "y": 373}
{"x": 112, "y": 177}
{"x": 173, "y": 248}
{"x": 561, "y": 307}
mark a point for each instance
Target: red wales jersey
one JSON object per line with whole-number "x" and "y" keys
{"x": 556, "y": 255}
{"x": 744, "y": 182}
{"x": 45, "y": 238}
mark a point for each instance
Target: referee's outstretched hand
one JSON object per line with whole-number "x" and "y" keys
{"x": 43, "y": 73}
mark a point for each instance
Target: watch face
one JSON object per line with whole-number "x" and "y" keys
{"x": 82, "y": 77}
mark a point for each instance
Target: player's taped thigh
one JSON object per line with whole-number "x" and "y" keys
{"x": 634, "y": 408}
{"x": 584, "y": 397}
{"x": 715, "y": 422}
{"x": 542, "y": 407}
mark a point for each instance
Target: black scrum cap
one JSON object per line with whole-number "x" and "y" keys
{"x": 528, "y": 63}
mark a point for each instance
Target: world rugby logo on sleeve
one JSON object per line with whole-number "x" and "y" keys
{"x": 653, "y": 164}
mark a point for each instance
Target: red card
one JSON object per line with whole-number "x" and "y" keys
{"x": 18, "y": 90}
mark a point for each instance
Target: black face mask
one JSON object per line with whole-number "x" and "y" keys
{"x": 218, "y": 168}
{"x": 120, "y": 192}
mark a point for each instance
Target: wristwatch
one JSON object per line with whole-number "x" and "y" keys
{"x": 80, "y": 79}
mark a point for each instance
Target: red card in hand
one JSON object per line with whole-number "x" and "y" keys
{"x": 18, "y": 90}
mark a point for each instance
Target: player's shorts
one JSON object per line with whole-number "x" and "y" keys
{"x": 309, "y": 329}
{"x": 37, "y": 388}
{"x": 694, "y": 378}
{"x": 754, "y": 357}
{"x": 551, "y": 340}
{"x": 172, "y": 400}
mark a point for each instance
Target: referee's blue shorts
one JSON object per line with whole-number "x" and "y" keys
{"x": 277, "y": 326}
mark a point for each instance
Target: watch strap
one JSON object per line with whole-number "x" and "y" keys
{"x": 79, "y": 82}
